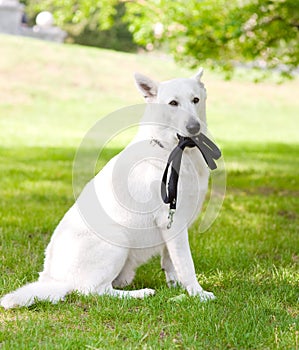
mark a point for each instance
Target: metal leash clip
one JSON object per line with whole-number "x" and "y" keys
{"x": 170, "y": 217}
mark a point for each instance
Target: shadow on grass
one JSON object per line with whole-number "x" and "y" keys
{"x": 263, "y": 168}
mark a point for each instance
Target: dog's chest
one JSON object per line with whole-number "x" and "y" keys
{"x": 194, "y": 173}
{"x": 135, "y": 200}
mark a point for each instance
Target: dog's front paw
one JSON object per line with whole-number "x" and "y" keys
{"x": 201, "y": 294}
{"x": 206, "y": 296}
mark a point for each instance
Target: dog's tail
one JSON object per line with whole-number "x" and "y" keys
{"x": 25, "y": 296}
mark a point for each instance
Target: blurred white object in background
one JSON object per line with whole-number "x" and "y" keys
{"x": 44, "y": 19}
{"x": 12, "y": 13}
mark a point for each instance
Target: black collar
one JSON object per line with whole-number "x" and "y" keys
{"x": 157, "y": 142}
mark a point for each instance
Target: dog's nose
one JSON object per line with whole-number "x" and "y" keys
{"x": 193, "y": 127}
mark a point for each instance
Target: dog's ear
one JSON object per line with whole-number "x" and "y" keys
{"x": 198, "y": 75}
{"x": 146, "y": 86}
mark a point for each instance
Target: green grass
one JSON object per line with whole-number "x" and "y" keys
{"x": 49, "y": 97}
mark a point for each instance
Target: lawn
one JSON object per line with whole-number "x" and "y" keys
{"x": 50, "y": 95}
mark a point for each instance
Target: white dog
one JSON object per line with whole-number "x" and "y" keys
{"x": 119, "y": 222}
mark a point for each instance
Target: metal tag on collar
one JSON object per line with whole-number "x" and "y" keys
{"x": 170, "y": 218}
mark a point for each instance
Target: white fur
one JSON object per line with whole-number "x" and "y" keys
{"x": 78, "y": 259}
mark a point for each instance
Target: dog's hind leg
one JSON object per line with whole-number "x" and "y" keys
{"x": 138, "y": 293}
{"x": 100, "y": 267}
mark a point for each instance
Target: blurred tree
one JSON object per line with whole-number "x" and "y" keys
{"x": 76, "y": 11}
{"x": 115, "y": 36}
{"x": 93, "y": 23}
{"x": 217, "y": 33}
{"x": 220, "y": 33}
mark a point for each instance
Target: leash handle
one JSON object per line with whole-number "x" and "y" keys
{"x": 213, "y": 149}
{"x": 169, "y": 196}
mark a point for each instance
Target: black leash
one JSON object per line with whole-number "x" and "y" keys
{"x": 209, "y": 152}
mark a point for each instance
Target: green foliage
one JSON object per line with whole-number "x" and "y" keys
{"x": 215, "y": 33}
{"x": 92, "y": 33}
{"x": 88, "y": 22}
{"x": 219, "y": 32}
{"x": 76, "y": 11}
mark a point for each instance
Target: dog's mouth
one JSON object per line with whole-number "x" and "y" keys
{"x": 207, "y": 147}
{"x": 193, "y": 138}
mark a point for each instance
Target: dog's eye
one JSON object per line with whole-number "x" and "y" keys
{"x": 174, "y": 103}
{"x": 195, "y": 100}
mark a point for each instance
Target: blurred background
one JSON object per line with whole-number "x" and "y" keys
{"x": 237, "y": 42}
{"x": 219, "y": 34}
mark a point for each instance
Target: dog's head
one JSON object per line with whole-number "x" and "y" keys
{"x": 186, "y": 99}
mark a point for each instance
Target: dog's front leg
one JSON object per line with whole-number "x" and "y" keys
{"x": 168, "y": 268}
{"x": 180, "y": 255}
